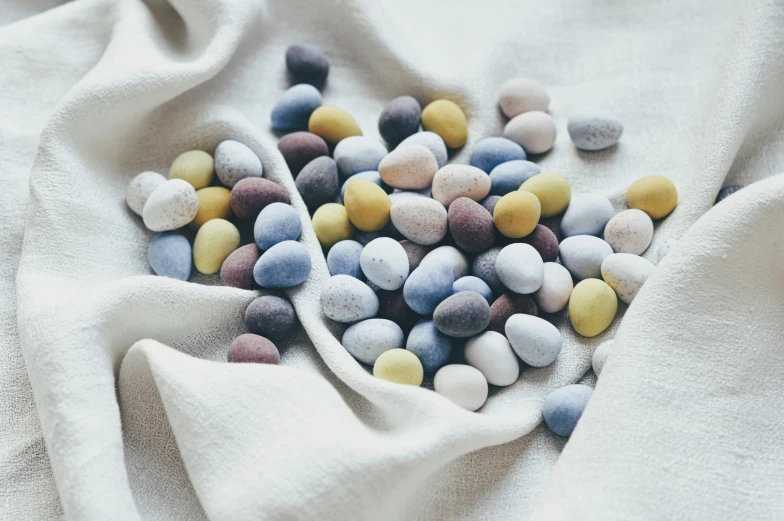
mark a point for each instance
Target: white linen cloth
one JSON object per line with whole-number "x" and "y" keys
{"x": 139, "y": 420}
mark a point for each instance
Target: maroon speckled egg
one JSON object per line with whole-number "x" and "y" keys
{"x": 507, "y": 305}
{"x": 237, "y": 269}
{"x": 253, "y": 349}
{"x": 392, "y": 306}
{"x": 252, "y": 194}
{"x": 544, "y": 241}
{"x": 470, "y": 225}
{"x": 300, "y": 148}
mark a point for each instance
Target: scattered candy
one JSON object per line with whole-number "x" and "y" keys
{"x": 470, "y": 225}
{"x": 428, "y": 286}
{"x": 276, "y": 223}
{"x": 214, "y": 242}
{"x": 318, "y": 182}
{"x": 371, "y": 176}
{"x": 517, "y": 214}
{"x": 294, "y": 107}
{"x": 483, "y": 267}
{"x": 392, "y": 306}
{"x": 431, "y": 141}
{"x": 563, "y": 407}
{"x": 462, "y": 384}
{"x": 254, "y": 349}
{"x": 399, "y": 119}
{"x": 536, "y": 341}
{"x": 333, "y": 124}
{"x": 475, "y": 284}
{"x": 492, "y": 355}
{"x": 169, "y": 255}
{"x": 307, "y": 65}
{"x": 552, "y": 190}
{"x": 235, "y": 161}
{"x": 416, "y": 252}
{"x": 331, "y": 224}
{"x": 237, "y": 269}
{"x": 556, "y": 288}
{"x": 583, "y": 255}
{"x": 462, "y": 315}
{"x": 300, "y": 148}
{"x": 140, "y": 188}
{"x": 195, "y": 166}
{"x": 399, "y": 366}
{"x": 490, "y": 202}
{"x": 172, "y": 205}
{"x": 346, "y": 299}
{"x": 594, "y": 129}
{"x": 451, "y": 256}
{"x": 385, "y": 263}
{"x": 520, "y": 268}
{"x": 446, "y": 119}
{"x": 357, "y": 154}
{"x": 214, "y": 203}
{"x": 367, "y": 340}
{"x": 544, "y": 241}
{"x": 420, "y": 219}
{"x": 251, "y": 195}
{"x": 592, "y": 307}
{"x": 285, "y": 265}
{"x": 626, "y": 273}
{"x": 630, "y": 231}
{"x": 270, "y": 316}
{"x": 520, "y": 95}
{"x": 587, "y": 215}
{"x": 534, "y": 131}
{"x": 367, "y": 205}
{"x": 655, "y": 195}
{"x": 410, "y": 167}
{"x": 453, "y": 181}
{"x": 343, "y": 259}
{"x": 431, "y": 346}
{"x": 491, "y": 152}
{"x": 510, "y": 176}
{"x": 507, "y": 305}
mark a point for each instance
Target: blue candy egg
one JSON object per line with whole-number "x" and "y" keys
{"x": 427, "y": 286}
{"x": 490, "y": 152}
{"x": 277, "y": 222}
{"x": 432, "y": 347}
{"x": 294, "y": 107}
{"x": 343, "y": 259}
{"x": 507, "y": 177}
{"x": 358, "y": 154}
{"x": 170, "y": 255}
{"x": 474, "y": 284}
{"x": 285, "y": 265}
{"x": 563, "y": 407}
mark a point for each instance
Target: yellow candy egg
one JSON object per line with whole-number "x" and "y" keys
{"x": 517, "y": 214}
{"x": 552, "y": 190}
{"x": 195, "y": 167}
{"x": 214, "y": 242}
{"x": 655, "y": 195}
{"x": 331, "y": 224}
{"x": 399, "y": 366}
{"x": 447, "y": 120}
{"x": 214, "y": 203}
{"x": 333, "y": 124}
{"x": 592, "y": 307}
{"x": 367, "y": 205}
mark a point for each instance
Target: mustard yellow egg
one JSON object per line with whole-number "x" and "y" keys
{"x": 195, "y": 166}
{"x": 332, "y": 225}
{"x": 654, "y": 194}
{"x": 333, "y": 124}
{"x": 399, "y": 366}
{"x": 215, "y": 241}
{"x": 214, "y": 203}
{"x": 592, "y": 307}
{"x": 367, "y": 205}
{"x": 517, "y": 214}
{"x": 552, "y": 190}
{"x": 446, "y": 119}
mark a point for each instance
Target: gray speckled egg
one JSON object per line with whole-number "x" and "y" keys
{"x": 629, "y": 231}
{"x": 140, "y": 188}
{"x": 346, "y": 299}
{"x": 385, "y": 263}
{"x": 367, "y": 340}
{"x": 594, "y": 129}
{"x": 536, "y": 341}
{"x": 170, "y": 206}
{"x": 583, "y": 255}
{"x": 626, "y": 273}
{"x": 235, "y": 161}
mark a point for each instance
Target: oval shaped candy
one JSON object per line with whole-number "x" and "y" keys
{"x": 520, "y": 95}
{"x": 517, "y": 214}
{"x": 235, "y": 161}
{"x": 594, "y": 129}
{"x": 343, "y": 259}
{"x": 409, "y": 167}
{"x": 170, "y": 206}
{"x": 536, "y": 341}
{"x": 626, "y": 273}
{"x": 318, "y": 182}
{"x": 214, "y": 242}
{"x": 346, "y": 299}
{"x": 447, "y": 120}
{"x": 552, "y": 190}
{"x": 520, "y": 268}
{"x": 294, "y": 107}
{"x": 470, "y": 225}
{"x": 251, "y": 195}
{"x": 367, "y": 340}
{"x": 253, "y": 349}
{"x": 592, "y": 307}
{"x": 307, "y": 64}
{"x": 140, "y": 188}
{"x": 510, "y": 176}
{"x": 563, "y": 407}
{"x": 556, "y": 288}
{"x": 214, "y": 203}
{"x": 420, "y": 219}
{"x": 276, "y": 223}
{"x": 399, "y": 366}
{"x": 490, "y": 152}
{"x": 453, "y": 181}
{"x": 194, "y": 166}
{"x": 655, "y": 195}
{"x": 169, "y": 255}
{"x": 507, "y": 305}
{"x": 629, "y": 231}
{"x": 367, "y": 205}
{"x": 483, "y": 267}
{"x": 428, "y": 286}
{"x": 357, "y": 154}
{"x": 449, "y": 255}
{"x": 237, "y": 270}
{"x": 385, "y": 263}
{"x": 270, "y": 316}
{"x": 587, "y": 215}
{"x": 475, "y": 284}
{"x": 462, "y": 384}
{"x": 300, "y": 148}
{"x": 491, "y": 353}
{"x": 285, "y": 265}
{"x": 332, "y": 225}
{"x": 544, "y": 241}
{"x": 534, "y": 131}
{"x": 583, "y": 255}
{"x": 432, "y": 142}
{"x": 399, "y": 119}
{"x": 431, "y": 346}
{"x": 462, "y": 315}
{"x": 333, "y": 124}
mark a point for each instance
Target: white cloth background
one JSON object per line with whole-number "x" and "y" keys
{"x": 139, "y": 421}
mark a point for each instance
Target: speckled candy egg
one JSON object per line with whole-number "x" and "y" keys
{"x": 534, "y": 131}
{"x": 214, "y": 242}
{"x": 552, "y": 190}
{"x": 629, "y": 231}
{"x": 626, "y": 273}
{"x": 420, "y": 219}
{"x": 431, "y": 346}
{"x": 587, "y": 215}
{"x": 563, "y": 407}
{"x": 449, "y": 255}
{"x": 428, "y": 286}
{"x": 507, "y": 305}
{"x": 490, "y": 152}
{"x": 556, "y": 288}
{"x": 432, "y": 142}
{"x": 285, "y": 265}
{"x": 307, "y": 64}
{"x": 399, "y": 119}
{"x": 470, "y": 225}
{"x": 358, "y": 154}
{"x": 276, "y": 223}
{"x": 237, "y": 270}
{"x": 601, "y": 355}
{"x": 318, "y": 182}
{"x": 346, "y": 299}
{"x": 544, "y": 241}
{"x": 385, "y": 263}
{"x": 399, "y": 366}
{"x": 140, "y": 188}
{"x": 475, "y": 284}
{"x": 655, "y": 195}
{"x": 300, "y": 148}
{"x": 594, "y": 129}
{"x": 491, "y": 353}
{"x": 331, "y": 224}
{"x": 367, "y": 205}
{"x": 253, "y": 349}
{"x": 333, "y": 124}
{"x": 483, "y": 267}
{"x": 462, "y": 315}
{"x": 409, "y": 167}
{"x": 510, "y": 176}
{"x": 170, "y": 206}
{"x": 294, "y": 107}
{"x": 536, "y": 341}
{"x": 517, "y": 214}
{"x": 235, "y": 161}
{"x": 367, "y": 340}
{"x": 343, "y": 259}
{"x": 251, "y": 195}
{"x": 583, "y": 255}
{"x": 194, "y": 166}
{"x": 453, "y": 181}
{"x": 520, "y": 268}
{"x": 592, "y": 307}
{"x": 520, "y": 95}
{"x": 169, "y": 255}
{"x": 270, "y": 316}
{"x": 447, "y": 120}
{"x": 464, "y": 385}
